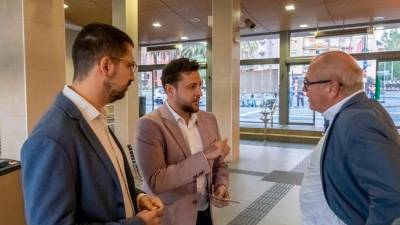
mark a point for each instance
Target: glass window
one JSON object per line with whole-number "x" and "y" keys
{"x": 152, "y": 93}
{"x": 164, "y": 54}
{"x": 383, "y": 38}
{"x": 259, "y": 47}
{"x": 259, "y": 89}
{"x": 387, "y": 88}
{"x": 299, "y": 110}
{"x": 381, "y": 84}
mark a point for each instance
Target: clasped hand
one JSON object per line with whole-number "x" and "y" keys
{"x": 152, "y": 209}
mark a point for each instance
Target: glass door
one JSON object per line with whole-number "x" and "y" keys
{"x": 387, "y": 88}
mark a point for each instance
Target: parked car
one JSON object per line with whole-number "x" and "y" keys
{"x": 159, "y": 96}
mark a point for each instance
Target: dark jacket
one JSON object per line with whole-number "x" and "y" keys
{"x": 360, "y": 164}
{"x": 67, "y": 175}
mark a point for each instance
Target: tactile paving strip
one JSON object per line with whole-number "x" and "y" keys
{"x": 285, "y": 177}
{"x": 258, "y": 209}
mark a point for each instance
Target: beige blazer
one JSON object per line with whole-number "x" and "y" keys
{"x": 169, "y": 169}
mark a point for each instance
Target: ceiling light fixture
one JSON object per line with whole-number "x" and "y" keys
{"x": 333, "y": 33}
{"x": 379, "y": 28}
{"x": 184, "y": 38}
{"x": 161, "y": 48}
{"x": 303, "y": 25}
{"x": 378, "y": 18}
{"x": 156, "y": 24}
{"x": 66, "y": 6}
{"x": 290, "y": 7}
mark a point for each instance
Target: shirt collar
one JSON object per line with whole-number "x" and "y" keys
{"x": 331, "y": 112}
{"x": 177, "y": 117}
{"x": 88, "y": 111}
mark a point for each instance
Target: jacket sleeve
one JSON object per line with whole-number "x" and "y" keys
{"x": 49, "y": 185}
{"x": 160, "y": 176}
{"x": 374, "y": 160}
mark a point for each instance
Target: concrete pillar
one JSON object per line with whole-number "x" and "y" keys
{"x": 226, "y": 70}
{"x": 125, "y": 17}
{"x": 32, "y": 66}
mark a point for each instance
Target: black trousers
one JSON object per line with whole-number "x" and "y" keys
{"x": 204, "y": 217}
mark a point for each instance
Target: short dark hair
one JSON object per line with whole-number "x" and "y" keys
{"x": 171, "y": 73}
{"x": 95, "y": 41}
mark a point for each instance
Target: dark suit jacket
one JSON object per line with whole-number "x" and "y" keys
{"x": 67, "y": 175}
{"x": 360, "y": 164}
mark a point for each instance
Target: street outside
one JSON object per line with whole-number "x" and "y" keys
{"x": 301, "y": 114}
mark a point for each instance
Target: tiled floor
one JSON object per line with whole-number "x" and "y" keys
{"x": 258, "y": 159}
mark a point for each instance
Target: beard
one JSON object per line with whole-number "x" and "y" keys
{"x": 189, "y": 107}
{"x": 114, "y": 92}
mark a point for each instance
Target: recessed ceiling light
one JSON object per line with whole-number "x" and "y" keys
{"x": 66, "y": 6}
{"x": 303, "y": 25}
{"x": 184, "y": 38}
{"x": 195, "y": 19}
{"x": 378, "y": 28}
{"x": 156, "y": 24}
{"x": 379, "y": 18}
{"x": 290, "y": 7}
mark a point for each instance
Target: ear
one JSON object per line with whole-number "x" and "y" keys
{"x": 106, "y": 66}
{"x": 334, "y": 89}
{"x": 169, "y": 90}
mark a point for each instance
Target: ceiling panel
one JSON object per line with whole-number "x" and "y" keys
{"x": 189, "y": 17}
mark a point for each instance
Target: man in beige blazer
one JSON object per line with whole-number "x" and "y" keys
{"x": 179, "y": 150}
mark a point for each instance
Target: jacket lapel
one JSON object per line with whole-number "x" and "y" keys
{"x": 70, "y": 109}
{"x": 351, "y": 101}
{"x": 176, "y": 133}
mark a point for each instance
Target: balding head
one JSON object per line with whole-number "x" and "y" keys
{"x": 340, "y": 66}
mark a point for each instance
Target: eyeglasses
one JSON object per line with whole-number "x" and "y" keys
{"x": 131, "y": 64}
{"x": 307, "y": 83}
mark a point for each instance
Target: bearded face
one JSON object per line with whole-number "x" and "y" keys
{"x": 114, "y": 91}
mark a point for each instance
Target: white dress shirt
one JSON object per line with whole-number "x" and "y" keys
{"x": 193, "y": 138}
{"x": 98, "y": 122}
{"x": 313, "y": 204}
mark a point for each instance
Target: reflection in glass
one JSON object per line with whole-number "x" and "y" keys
{"x": 164, "y": 54}
{"x": 260, "y": 47}
{"x": 259, "y": 88}
{"x": 383, "y": 39}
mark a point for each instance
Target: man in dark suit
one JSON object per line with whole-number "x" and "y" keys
{"x": 356, "y": 171}
{"x": 74, "y": 170}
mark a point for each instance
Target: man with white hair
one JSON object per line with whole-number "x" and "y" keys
{"x": 354, "y": 174}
